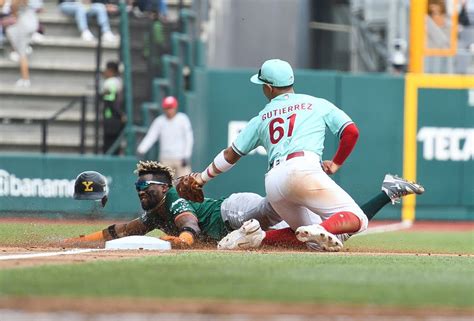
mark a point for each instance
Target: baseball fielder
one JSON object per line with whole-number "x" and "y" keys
{"x": 291, "y": 127}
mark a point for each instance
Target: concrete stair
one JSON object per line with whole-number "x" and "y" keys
{"x": 61, "y": 138}
{"x": 50, "y": 74}
{"x": 71, "y": 51}
{"x": 37, "y": 103}
{"x": 62, "y": 68}
{"x": 56, "y": 24}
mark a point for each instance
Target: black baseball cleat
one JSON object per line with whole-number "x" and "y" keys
{"x": 396, "y": 187}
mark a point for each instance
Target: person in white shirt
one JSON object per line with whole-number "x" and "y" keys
{"x": 175, "y": 135}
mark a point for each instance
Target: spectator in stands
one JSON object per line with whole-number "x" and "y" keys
{"x": 110, "y": 5}
{"x": 438, "y": 37}
{"x": 37, "y": 5}
{"x": 6, "y": 19}
{"x": 154, "y": 8}
{"x": 466, "y": 15}
{"x": 81, "y": 10}
{"x": 465, "y": 55}
{"x": 398, "y": 56}
{"x": 19, "y": 34}
{"x": 113, "y": 116}
{"x": 175, "y": 134}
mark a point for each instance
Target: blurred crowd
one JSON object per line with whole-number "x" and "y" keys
{"x": 439, "y": 28}
{"x": 439, "y": 33}
{"x": 20, "y": 26}
{"x": 19, "y": 21}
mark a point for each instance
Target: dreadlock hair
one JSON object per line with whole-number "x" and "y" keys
{"x": 165, "y": 173}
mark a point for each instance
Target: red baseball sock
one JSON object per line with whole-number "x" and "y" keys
{"x": 284, "y": 238}
{"x": 342, "y": 222}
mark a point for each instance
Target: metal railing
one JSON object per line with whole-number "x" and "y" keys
{"x": 127, "y": 78}
{"x": 44, "y": 123}
{"x": 97, "y": 78}
{"x": 177, "y": 72}
{"x": 127, "y": 133}
{"x": 82, "y": 129}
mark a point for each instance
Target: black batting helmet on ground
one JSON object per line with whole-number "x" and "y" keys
{"x": 91, "y": 185}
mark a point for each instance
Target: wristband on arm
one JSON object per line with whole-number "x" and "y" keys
{"x": 219, "y": 163}
{"x": 190, "y": 230}
{"x": 106, "y": 234}
{"x": 112, "y": 231}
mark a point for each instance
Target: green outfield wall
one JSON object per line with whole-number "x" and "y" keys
{"x": 33, "y": 184}
{"x": 445, "y": 153}
{"x": 222, "y": 104}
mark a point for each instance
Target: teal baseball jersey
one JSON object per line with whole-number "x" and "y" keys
{"x": 208, "y": 214}
{"x": 290, "y": 123}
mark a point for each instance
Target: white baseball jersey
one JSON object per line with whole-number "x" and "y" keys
{"x": 297, "y": 188}
{"x": 289, "y": 123}
{"x": 175, "y": 136}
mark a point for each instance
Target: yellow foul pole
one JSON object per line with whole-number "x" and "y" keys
{"x": 417, "y": 47}
{"x": 417, "y": 35}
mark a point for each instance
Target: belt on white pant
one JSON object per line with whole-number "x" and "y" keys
{"x": 280, "y": 160}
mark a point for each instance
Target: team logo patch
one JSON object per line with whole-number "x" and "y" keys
{"x": 88, "y": 186}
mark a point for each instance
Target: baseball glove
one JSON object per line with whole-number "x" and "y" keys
{"x": 188, "y": 188}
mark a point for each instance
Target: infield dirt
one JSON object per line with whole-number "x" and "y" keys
{"x": 27, "y": 247}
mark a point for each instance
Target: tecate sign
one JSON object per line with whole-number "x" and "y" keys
{"x": 447, "y": 144}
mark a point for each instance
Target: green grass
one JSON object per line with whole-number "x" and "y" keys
{"x": 412, "y": 281}
{"x": 419, "y": 242}
{"x": 385, "y": 280}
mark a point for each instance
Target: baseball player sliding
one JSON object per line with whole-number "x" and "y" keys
{"x": 185, "y": 222}
{"x": 291, "y": 128}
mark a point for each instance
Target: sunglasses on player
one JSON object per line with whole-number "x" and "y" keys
{"x": 263, "y": 79}
{"x": 143, "y": 185}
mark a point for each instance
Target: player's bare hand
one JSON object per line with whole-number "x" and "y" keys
{"x": 329, "y": 167}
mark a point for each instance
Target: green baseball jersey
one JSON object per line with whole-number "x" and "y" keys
{"x": 290, "y": 123}
{"x": 208, "y": 214}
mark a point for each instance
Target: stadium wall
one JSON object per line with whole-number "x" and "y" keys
{"x": 35, "y": 185}
{"x": 224, "y": 101}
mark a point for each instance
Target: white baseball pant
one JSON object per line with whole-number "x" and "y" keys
{"x": 299, "y": 186}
